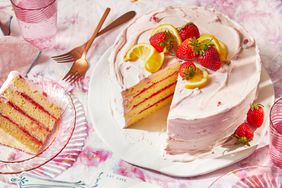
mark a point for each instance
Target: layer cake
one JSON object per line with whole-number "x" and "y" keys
{"x": 201, "y": 118}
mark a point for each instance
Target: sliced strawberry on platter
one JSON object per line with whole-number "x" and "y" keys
{"x": 189, "y": 30}
{"x": 209, "y": 58}
{"x": 162, "y": 41}
{"x": 188, "y": 50}
{"x": 244, "y": 134}
{"x": 255, "y": 115}
{"x": 187, "y": 70}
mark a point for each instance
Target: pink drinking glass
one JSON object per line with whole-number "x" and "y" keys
{"x": 276, "y": 133}
{"x": 38, "y": 21}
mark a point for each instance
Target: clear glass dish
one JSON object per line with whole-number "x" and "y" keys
{"x": 250, "y": 177}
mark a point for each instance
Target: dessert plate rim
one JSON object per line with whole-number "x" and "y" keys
{"x": 46, "y": 81}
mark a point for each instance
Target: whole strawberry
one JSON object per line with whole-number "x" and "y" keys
{"x": 188, "y": 50}
{"x": 244, "y": 134}
{"x": 255, "y": 115}
{"x": 162, "y": 41}
{"x": 189, "y": 30}
{"x": 209, "y": 58}
{"x": 187, "y": 70}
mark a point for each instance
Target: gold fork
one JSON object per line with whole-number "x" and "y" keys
{"x": 80, "y": 66}
{"x": 77, "y": 52}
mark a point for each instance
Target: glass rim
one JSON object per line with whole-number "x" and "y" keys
{"x": 271, "y": 109}
{"x": 274, "y": 132}
{"x": 12, "y": 1}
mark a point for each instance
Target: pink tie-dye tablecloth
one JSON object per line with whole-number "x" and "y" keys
{"x": 76, "y": 20}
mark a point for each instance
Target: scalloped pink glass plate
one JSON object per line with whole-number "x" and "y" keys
{"x": 251, "y": 177}
{"x": 13, "y": 161}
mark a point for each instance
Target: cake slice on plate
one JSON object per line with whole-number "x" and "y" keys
{"x": 27, "y": 116}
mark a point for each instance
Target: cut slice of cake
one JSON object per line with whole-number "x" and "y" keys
{"x": 27, "y": 115}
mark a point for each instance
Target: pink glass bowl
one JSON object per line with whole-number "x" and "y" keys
{"x": 250, "y": 177}
{"x": 275, "y": 127}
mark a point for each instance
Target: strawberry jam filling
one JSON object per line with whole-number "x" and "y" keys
{"x": 38, "y": 106}
{"x": 154, "y": 94}
{"x": 145, "y": 89}
{"x": 33, "y": 139}
{"x": 163, "y": 99}
{"x": 40, "y": 125}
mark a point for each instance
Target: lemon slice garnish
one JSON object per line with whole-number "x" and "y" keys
{"x": 147, "y": 53}
{"x": 171, "y": 29}
{"x": 223, "y": 52}
{"x": 199, "y": 80}
{"x": 219, "y": 45}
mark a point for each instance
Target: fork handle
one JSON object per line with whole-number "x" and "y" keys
{"x": 120, "y": 20}
{"x": 95, "y": 34}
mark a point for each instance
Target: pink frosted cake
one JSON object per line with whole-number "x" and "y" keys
{"x": 203, "y": 115}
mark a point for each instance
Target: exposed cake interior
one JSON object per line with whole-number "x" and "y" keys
{"x": 150, "y": 95}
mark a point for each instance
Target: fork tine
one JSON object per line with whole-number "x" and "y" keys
{"x": 71, "y": 76}
{"x": 74, "y": 78}
{"x": 79, "y": 76}
{"x": 64, "y": 61}
{"x": 62, "y": 55}
{"x": 63, "y": 58}
{"x": 67, "y": 75}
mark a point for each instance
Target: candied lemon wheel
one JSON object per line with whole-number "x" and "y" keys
{"x": 171, "y": 29}
{"x": 219, "y": 45}
{"x": 147, "y": 53}
{"x": 199, "y": 80}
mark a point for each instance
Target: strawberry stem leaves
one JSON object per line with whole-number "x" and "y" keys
{"x": 189, "y": 72}
{"x": 199, "y": 48}
{"x": 256, "y": 106}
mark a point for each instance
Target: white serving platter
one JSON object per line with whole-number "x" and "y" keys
{"x": 141, "y": 145}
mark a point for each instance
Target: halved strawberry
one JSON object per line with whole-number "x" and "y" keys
{"x": 244, "y": 134}
{"x": 189, "y": 30}
{"x": 255, "y": 115}
{"x": 209, "y": 58}
{"x": 188, "y": 50}
{"x": 187, "y": 70}
{"x": 162, "y": 41}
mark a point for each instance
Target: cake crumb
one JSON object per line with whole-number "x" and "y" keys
{"x": 245, "y": 41}
{"x": 154, "y": 19}
{"x": 219, "y": 103}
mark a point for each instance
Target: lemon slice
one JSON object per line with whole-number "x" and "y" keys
{"x": 171, "y": 29}
{"x": 224, "y": 51}
{"x": 199, "y": 80}
{"x": 219, "y": 45}
{"x": 147, "y": 53}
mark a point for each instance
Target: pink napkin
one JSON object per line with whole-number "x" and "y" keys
{"x": 15, "y": 54}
